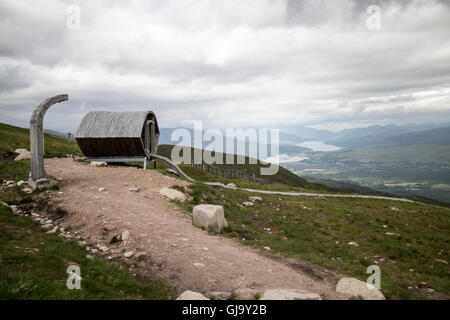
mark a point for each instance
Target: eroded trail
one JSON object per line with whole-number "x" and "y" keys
{"x": 185, "y": 257}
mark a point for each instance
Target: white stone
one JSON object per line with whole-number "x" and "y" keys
{"x": 248, "y": 204}
{"x": 21, "y": 182}
{"x": 125, "y": 235}
{"x": 23, "y": 154}
{"x": 209, "y": 216}
{"x": 172, "y": 194}
{"x": 231, "y": 185}
{"x": 46, "y": 227}
{"x": 267, "y": 248}
{"x": 133, "y": 189}
{"x": 353, "y": 243}
{"x": 27, "y": 190}
{"x": 288, "y": 294}
{"x": 198, "y": 264}
{"x": 356, "y": 288}
{"x": 101, "y": 189}
{"x": 98, "y": 163}
{"x": 191, "y": 295}
{"x": 254, "y": 198}
{"x": 128, "y": 254}
{"x": 53, "y": 231}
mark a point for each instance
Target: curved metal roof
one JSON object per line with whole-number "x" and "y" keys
{"x": 105, "y": 124}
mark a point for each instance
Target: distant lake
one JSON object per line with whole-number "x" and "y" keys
{"x": 318, "y": 146}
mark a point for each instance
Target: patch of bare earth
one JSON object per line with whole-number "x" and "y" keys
{"x": 182, "y": 255}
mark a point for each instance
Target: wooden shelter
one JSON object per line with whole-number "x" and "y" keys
{"x": 118, "y": 136}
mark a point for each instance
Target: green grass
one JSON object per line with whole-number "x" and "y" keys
{"x": 12, "y": 138}
{"x": 33, "y": 266}
{"x": 318, "y": 231}
{"x": 283, "y": 176}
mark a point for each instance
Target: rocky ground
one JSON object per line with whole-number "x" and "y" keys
{"x": 119, "y": 212}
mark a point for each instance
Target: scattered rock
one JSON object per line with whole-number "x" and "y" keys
{"x": 205, "y": 249}
{"x": 89, "y": 256}
{"x": 53, "y": 231}
{"x": 289, "y": 294}
{"x": 134, "y": 189}
{"x": 116, "y": 238}
{"x": 356, "y": 288}
{"x": 254, "y": 198}
{"x": 23, "y": 154}
{"x": 248, "y": 204}
{"x": 46, "y": 227}
{"x": 440, "y": 260}
{"x": 231, "y": 185}
{"x": 128, "y": 254}
{"x": 395, "y": 209}
{"x": 21, "y": 182}
{"x": 267, "y": 248}
{"x": 219, "y": 295}
{"x": 171, "y": 171}
{"x": 353, "y": 243}
{"x": 42, "y": 183}
{"x": 245, "y": 294}
{"x": 172, "y": 194}
{"x": 140, "y": 255}
{"x": 101, "y": 189}
{"x": 191, "y": 295}
{"x": 125, "y": 235}
{"x": 392, "y": 234}
{"x": 98, "y": 164}
{"x": 198, "y": 264}
{"x": 209, "y": 216}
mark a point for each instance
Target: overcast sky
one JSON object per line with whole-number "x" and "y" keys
{"x": 228, "y": 63}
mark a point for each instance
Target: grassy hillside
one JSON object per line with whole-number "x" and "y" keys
{"x": 33, "y": 264}
{"x": 12, "y": 138}
{"x": 408, "y": 241}
{"x": 283, "y": 176}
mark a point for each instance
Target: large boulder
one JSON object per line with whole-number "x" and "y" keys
{"x": 191, "y": 295}
{"x": 355, "y": 288}
{"x": 289, "y": 294}
{"x": 172, "y": 194}
{"x": 23, "y": 154}
{"x": 209, "y": 216}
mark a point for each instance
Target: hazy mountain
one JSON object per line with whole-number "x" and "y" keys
{"x": 440, "y": 136}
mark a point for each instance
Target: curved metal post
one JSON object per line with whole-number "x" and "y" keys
{"x": 37, "y": 136}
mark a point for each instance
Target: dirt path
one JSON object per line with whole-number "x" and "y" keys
{"x": 309, "y": 194}
{"x": 175, "y": 249}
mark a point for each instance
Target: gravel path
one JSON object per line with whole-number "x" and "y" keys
{"x": 185, "y": 257}
{"x": 308, "y": 194}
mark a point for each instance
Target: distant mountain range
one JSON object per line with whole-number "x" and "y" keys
{"x": 387, "y": 135}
